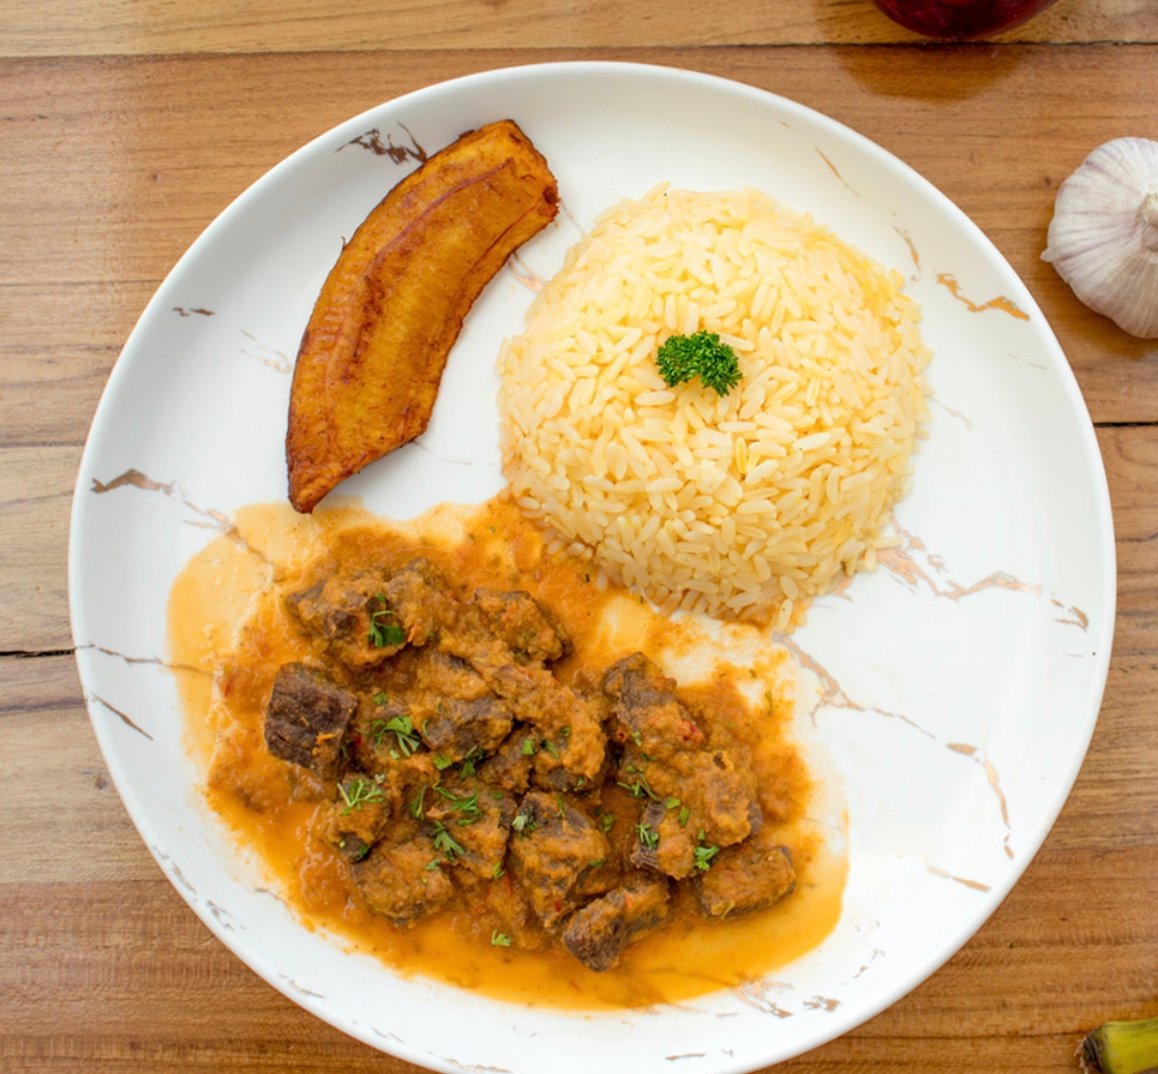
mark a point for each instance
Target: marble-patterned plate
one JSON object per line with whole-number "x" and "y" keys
{"x": 959, "y": 683}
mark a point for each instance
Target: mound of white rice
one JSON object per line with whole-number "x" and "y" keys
{"x": 742, "y": 506}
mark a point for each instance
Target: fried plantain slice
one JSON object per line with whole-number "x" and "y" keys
{"x": 372, "y": 355}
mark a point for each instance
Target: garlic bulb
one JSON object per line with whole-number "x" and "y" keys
{"x": 1103, "y": 239}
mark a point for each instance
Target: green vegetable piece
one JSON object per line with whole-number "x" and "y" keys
{"x": 703, "y": 355}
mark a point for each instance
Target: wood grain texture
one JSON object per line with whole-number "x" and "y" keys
{"x": 127, "y": 125}
{"x": 151, "y": 27}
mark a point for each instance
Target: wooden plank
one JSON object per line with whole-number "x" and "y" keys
{"x": 136, "y": 178}
{"x": 35, "y": 497}
{"x": 144, "y": 27}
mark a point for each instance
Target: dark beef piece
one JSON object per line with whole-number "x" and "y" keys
{"x": 552, "y": 767}
{"x": 748, "y": 877}
{"x": 357, "y": 818}
{"x": 403, "y": 881}
{"x": 559, "y": 713}
{"x": 306, "y": 718}
{"x": 349, "y": 615}
{"x": 507, "y": 904}
{"x": 553, "y": 846}
{"x": 509, "y": 767}
{"x": 598, "y": 932}
{"x": 647, "y": 709}
{"x": 666, "y": 752}
{"x": 477, "y": 818}
{"x": 423, "y": 601}
{"x": 444, "y": 675}
{"x": 378, "y": 731}
{"x": 674, "y": 849}
{"x": 456, "y": 728}
{"x": 523, "y": 624}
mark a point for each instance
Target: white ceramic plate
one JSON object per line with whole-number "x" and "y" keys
{"x": 963, "y": 680}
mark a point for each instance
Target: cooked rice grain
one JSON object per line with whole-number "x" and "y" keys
{"x": 743, "y": 506}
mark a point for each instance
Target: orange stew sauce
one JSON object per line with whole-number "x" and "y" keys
{"x": 229, "y": 634}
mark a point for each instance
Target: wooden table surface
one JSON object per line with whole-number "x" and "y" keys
{"x": 129, "y": 124}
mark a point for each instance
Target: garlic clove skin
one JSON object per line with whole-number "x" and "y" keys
{"x": 1103, "y": 239}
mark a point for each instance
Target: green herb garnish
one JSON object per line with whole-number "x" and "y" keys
{"x": 704, "y": 856}
{"x": 703, "y": 355}
{"x": 416, "y": 808}
{"x": 383, "y": 632}
{"x": 500, "y": 939}
{"x": 403, "y": 729}
{"x": 638, "y": 789}
{"x": 473, "y": 756}
{"x": 466, "y": 805}
{"x": 357, "y": 792}
{"x": 445, "y": 843}
{"x": 648, "y": 836}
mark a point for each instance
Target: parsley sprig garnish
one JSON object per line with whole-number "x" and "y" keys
{"x": 446, "y": 844}
{"x": 465, "y": 805}
{"x": 402, "y": 728}
{"x": 383, "y": 632}
{"x": 703, "y": 355}
{"x": 357, "y": 792}
{"x": 704, "y": 856}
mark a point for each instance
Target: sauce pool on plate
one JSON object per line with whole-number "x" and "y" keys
{"x": 230, "y": 632}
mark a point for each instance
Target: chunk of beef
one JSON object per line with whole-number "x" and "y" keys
{"x": 472, "y": 822}
{"x": 561, "y": 714}
{"x": 647, "y": 709}
{"x": 382, "y": 731}
{"x": 597, "y": 934}
{"x": 357, "y": 818}
{"x": 306, "y": 718}
{"x": 458, "y": 728}
{"x": 444, "y": 675}
{"x": 423, "y": 601}
{"x": 509, "y": 767}
{"x": 508, "y": 906}
{"x": 403, "y": 881}
{"x": 553, "y": 765}
{"x": 386, "y": 747}
{"x": 523, "y": 624}
{"x": 348, "y": 614}
{"x": 666, "y": 753}
{"x": 553, "y": 847}
{"x": 748, "y": 877}
{"x": 663, "y": 843}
